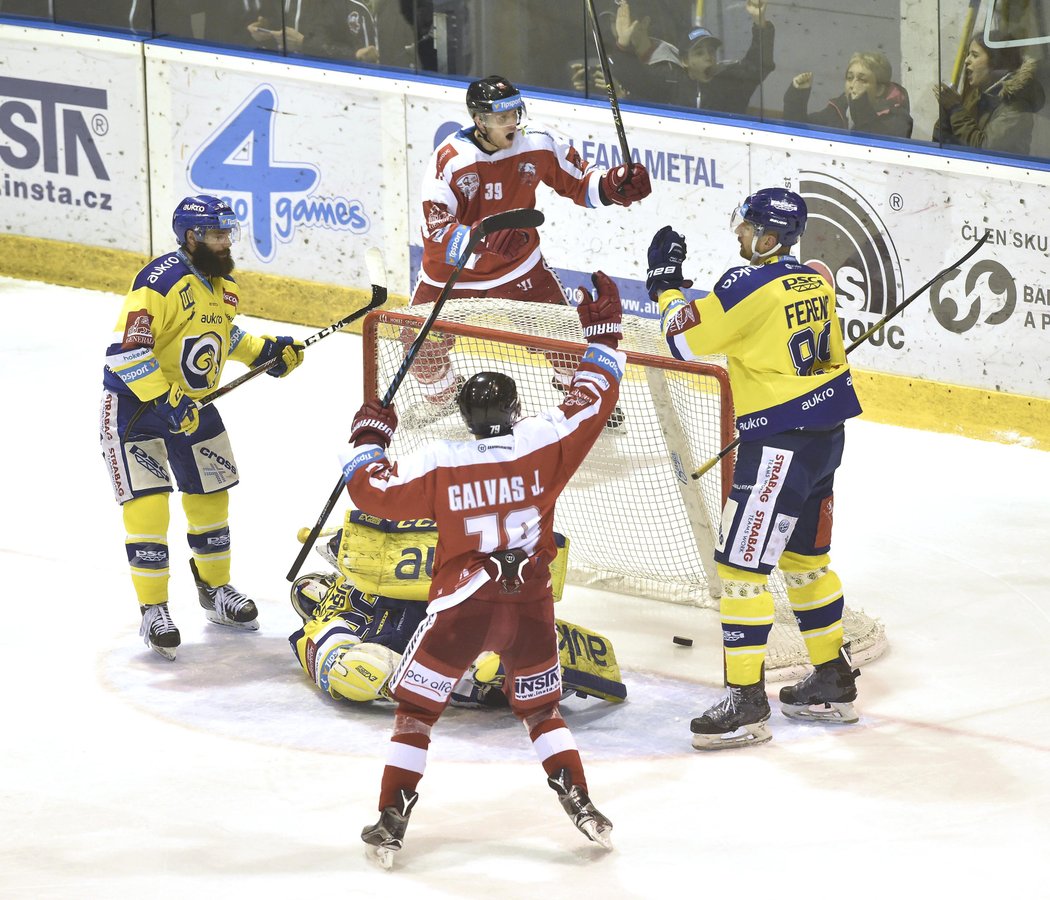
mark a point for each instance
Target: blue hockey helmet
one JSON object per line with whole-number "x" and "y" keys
{"x": 774, "y": 209}
{"x": 203, "y": 213}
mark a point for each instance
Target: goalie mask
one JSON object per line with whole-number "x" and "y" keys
{"x": 489, "y": 404}
{"x": 775, "y": 210}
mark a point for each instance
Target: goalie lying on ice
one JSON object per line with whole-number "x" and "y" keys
{"x": 358, "y": 620}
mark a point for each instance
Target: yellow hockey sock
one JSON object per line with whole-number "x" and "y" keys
{"x": 208, "y": 534}
{"x": 815, "y": 594}
{"x": 747, "y": 617}
{"x": 146, "y": 541}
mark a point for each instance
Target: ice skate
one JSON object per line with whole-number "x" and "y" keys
{"x": 826, "y": 694}
{"x": 386, "y": 837}
{"x": 616, "y": 418}
{"x": 578, "y": 806}
{"x": 738, "y": 720}
{"x": 225, "y": 605}
{"x": 158, "y": 630}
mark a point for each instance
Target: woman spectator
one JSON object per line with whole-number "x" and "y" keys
{"x": 871, "y": 102}
{"x": 995, "y": 110}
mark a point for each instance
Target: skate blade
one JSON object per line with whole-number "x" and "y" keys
{"x": 745, "y": 736}
{"x": 601, "y": 836}
{"x": 381, "y": 856}
{"x": 216, "y": 619}
{"x": 832, "y": 713}
{"x": 167, "y": 652}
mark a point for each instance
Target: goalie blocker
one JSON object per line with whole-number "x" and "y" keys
{"x": 358, "y": 620}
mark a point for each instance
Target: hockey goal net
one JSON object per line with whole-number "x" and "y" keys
{"x": 637, "y": 522}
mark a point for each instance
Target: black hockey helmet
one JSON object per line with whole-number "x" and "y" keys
{"x": 489, "y": 404}
{"x": 494, "y": 94}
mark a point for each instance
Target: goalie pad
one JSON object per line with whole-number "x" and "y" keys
{"x": 396, "y": 559}
{"x": 361, "y": 672}
{"x": 588, "y": 664}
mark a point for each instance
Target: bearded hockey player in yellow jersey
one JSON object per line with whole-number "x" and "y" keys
{"x": 776, "y": 322}
{"x": 170, "y": 344}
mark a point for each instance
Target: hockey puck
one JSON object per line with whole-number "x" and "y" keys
{"x": 682, "y": 641}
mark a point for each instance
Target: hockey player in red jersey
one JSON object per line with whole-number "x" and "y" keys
{"x": 493, "y": 501}
{"x": 490, "y": 167}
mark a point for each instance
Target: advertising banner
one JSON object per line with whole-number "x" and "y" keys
{"x": 73, "y": 139}
{"x": 883, "y": 231}
{"x": 310, "y": 160}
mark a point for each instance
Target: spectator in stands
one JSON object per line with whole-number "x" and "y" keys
{"x": 725, "y": 87}
{"x": 643, "y": 67}
{"x": 1001, "y": 94}
{"x": 871, "y": 101}
{"x": 245, "y": 23}
{"x": 364, "y": 31}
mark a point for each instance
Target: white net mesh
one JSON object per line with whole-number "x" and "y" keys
{"x": 637, "y": 523}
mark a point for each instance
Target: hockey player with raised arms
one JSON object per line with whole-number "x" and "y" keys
{"x": 492, "y": 166}
{"x": 776, "y": 322}
{"x": 491, "y": 585}
{"x": 171, "y": 341}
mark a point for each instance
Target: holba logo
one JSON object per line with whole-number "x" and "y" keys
{"x": 272, "y": 198}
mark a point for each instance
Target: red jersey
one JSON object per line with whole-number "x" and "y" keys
{"x": 464, "y": 184}
{"x": 496, "y": 493}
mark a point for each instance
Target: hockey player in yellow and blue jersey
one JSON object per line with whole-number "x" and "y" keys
{"x": 776, "y": 322}
{"x": 171, "y": 341}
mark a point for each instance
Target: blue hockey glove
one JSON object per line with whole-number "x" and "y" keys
{"x": 178, "y": 410}
{"x": 666, "y": 255}
{"x": 288, "y": 350}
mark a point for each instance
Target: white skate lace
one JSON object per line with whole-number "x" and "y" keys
{"x": 156, "y": 620}
{"x": 228, "y": 600}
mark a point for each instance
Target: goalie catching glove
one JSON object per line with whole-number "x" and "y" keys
{"x": 374, "y": 424}
{"x": 666, "y": 255}
{"x": 601, "y": 315}
{"x": 360, "y": 672}
{"x": 288, "y": 351}
{"x": 624, "y": 185}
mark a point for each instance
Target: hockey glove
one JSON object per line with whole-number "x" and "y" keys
{"x": 506, "y": 244}
{"x": 374, "y": 424}
{"x": 625, "y": 184}
{"x": 178, "y": 410}
{"x": 601, "y": 316}
{"x": 666, "y": 255}
{"x": 288, "y": 350}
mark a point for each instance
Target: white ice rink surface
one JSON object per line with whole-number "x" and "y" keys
{"x": 225, "y": 774}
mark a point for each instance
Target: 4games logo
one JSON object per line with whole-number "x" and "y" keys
{"x": 847, "y": 241}
{"x": 272, "y": 198}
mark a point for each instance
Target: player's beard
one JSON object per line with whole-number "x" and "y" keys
{"x": 210, "y": 263}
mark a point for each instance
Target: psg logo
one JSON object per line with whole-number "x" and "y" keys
{"x": 848, "y": 243}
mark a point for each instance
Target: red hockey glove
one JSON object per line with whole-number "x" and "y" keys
{"x": 625, "y": 184}
{"x": 506, "y": 244}
{"x": 374, "y": 424}
{"x": 601, "y": 316}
